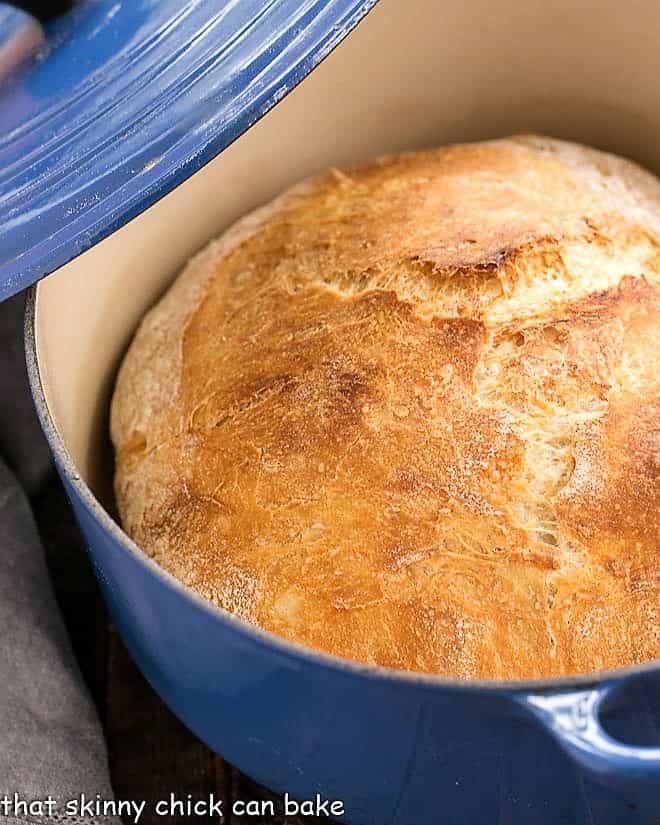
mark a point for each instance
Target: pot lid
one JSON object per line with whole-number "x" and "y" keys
{"x": 124, "y": 99}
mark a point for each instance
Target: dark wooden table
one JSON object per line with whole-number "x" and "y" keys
{"x": 151, "y": 753}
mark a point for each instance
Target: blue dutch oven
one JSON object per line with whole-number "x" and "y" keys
{"x": 101, "y": 132}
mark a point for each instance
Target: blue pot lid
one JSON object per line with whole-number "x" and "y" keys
{"x": 125, "y": 100}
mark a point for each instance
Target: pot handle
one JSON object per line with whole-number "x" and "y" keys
{"x": 573, "y": 718}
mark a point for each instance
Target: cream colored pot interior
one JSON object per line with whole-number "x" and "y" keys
{"x": 414, "y": 73}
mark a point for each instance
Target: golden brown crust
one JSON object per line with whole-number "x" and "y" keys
{"x": 408, "y": 413}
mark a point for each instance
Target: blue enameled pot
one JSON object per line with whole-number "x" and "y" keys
{"x": 396, "y": 748}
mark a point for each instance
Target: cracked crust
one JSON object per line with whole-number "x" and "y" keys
{"x": 408, "y": 413}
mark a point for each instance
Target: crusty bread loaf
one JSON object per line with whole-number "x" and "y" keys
{"x": 408, "y": 413}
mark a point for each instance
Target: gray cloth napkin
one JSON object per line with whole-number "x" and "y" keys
{"x": 50, "y": 737}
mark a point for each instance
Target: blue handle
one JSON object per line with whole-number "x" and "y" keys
{"x": 20, "y": 37}
{"x": 574, "y": 719}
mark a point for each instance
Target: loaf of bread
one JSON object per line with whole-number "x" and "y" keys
{"x": 408, "y": 413}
